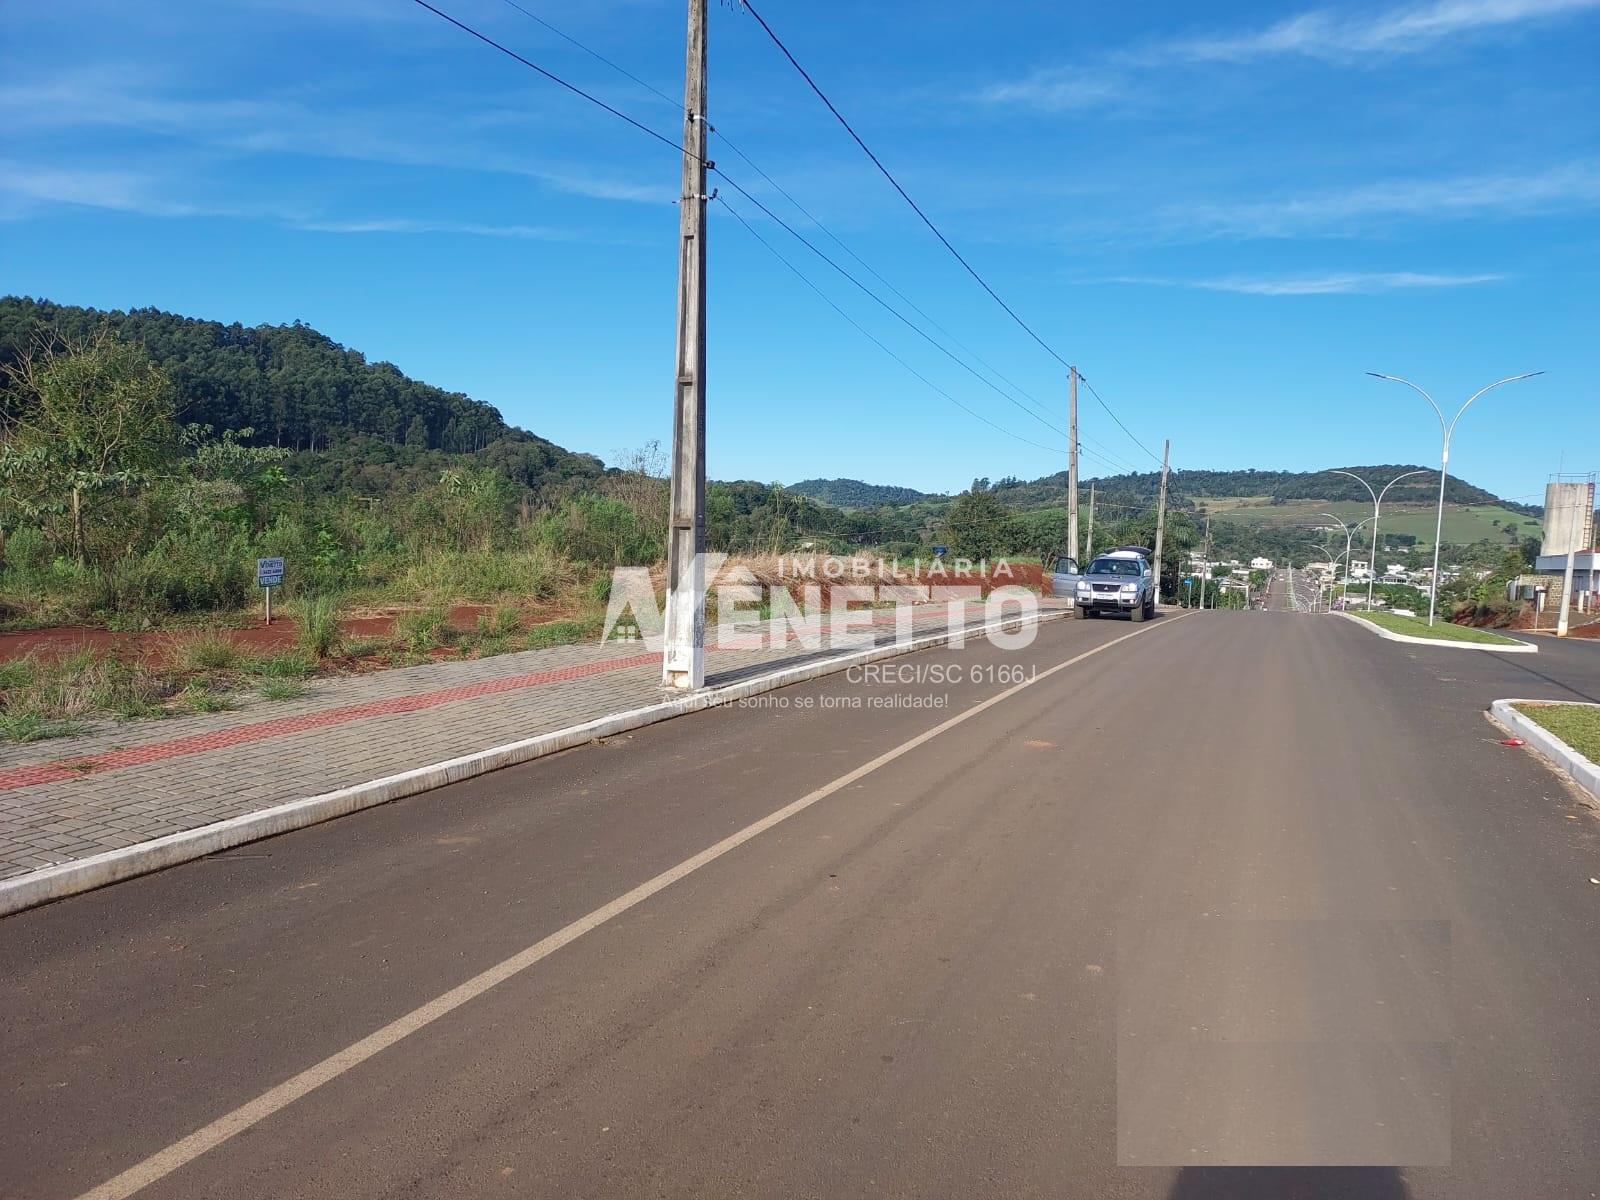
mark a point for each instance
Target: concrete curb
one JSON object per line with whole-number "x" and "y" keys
{"x": 86, "y": 874}
{"x": 1583, "y": 772}
{"x": 1519, "y": 648}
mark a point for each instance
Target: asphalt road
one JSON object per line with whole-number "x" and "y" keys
{"x": 1243, "y": 887}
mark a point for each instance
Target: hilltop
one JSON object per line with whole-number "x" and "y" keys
{"x": 296, "y": 388}
{"x": 853, "y": 493}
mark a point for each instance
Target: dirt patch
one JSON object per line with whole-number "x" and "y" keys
{"x": 154, "y": 647}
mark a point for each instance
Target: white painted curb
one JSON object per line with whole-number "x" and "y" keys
{"x": 1519, "y": 648}
{"x": 1584, "y": 773}
{"x": 86, "y": 874}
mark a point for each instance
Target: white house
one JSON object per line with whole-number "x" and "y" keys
{"x": 1260, "y": 564}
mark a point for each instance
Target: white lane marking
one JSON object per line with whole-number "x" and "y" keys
{"x": 164, "y": 1162}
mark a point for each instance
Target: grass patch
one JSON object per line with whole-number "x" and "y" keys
{"x": 320, "y": 635}
{"x": 202, "y": 697}
{"x": 288, "y": 664}
{"x": 1440, "y": 631}
{"x": 31, "y": 727}
{"x": 563, "y": 633}
{"x": 42, "y": 697}
{"x": 281, "y": 689}
{"x": 207, "y": 650}
{"x": 1578, "y": 725}
{"x": 425, "y": 629}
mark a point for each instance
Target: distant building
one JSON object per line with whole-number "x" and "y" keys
{"x": 1260, "y": 564}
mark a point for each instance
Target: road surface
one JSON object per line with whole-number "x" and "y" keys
{"x": 921, "y": 967}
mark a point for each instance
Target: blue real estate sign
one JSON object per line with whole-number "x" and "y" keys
{"x": 269, "y": 572}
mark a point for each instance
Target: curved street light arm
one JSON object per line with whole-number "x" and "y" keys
{"x": 1359, "y": 480}
{"x": 1396, "y": 480}
{"x": 1438, "y": 412}
{"x": 1481, "y": 391}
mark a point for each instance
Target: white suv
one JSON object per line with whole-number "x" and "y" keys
{"x": 1119, "y": 581}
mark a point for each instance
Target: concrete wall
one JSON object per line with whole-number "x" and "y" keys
{"x": 1568, "y": 518}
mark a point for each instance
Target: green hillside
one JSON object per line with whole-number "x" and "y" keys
{"x": 853, "y": 493}
{"x": 1413, "y": 520}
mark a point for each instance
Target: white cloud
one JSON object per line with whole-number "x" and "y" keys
{"x": 396, "y": 137}
{"x": 1333, "y": 35}
{"x": 1333, "y": 284}
{"x": 1336, "y": 34}
{"x": 1571, "y": 187}
{"x": 1056, "y": 89}
{"x": 27, "y": 188}
{"x": 404, "y": 225}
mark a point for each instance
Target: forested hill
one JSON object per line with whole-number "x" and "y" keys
{"x": 293, "y": 386}
{"x": 853, "y": 493}
{"x": 1269, "y": 485}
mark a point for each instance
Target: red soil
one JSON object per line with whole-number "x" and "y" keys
{"x": 155, "y": 646}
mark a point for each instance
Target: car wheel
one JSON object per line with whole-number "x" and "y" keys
{"x": 1136, "y": 615}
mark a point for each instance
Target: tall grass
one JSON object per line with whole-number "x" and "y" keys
{"x": 42, "y": 697}
{"x": 318, "y": 616}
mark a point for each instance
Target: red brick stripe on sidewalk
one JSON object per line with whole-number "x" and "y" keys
{"x": 30, "y": 776}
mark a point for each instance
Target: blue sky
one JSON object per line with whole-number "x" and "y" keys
{"x": 1224, "y": 213}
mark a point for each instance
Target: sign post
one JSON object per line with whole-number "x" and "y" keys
{"x": 269, "y": 574}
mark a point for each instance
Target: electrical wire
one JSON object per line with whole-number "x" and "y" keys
{"x": 1104, "y": 456}
{"x": 782, "y": 191}
{"x": 828, "y": 300}
{"x": 887, "y": 174}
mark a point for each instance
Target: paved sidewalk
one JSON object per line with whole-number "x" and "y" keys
{"x": 120, "y": 785}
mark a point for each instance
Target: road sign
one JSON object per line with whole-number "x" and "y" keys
{"x": 269, "y": 572}
{"x": 940, "y": 551}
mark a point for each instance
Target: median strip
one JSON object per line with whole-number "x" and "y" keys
{"x": 1567, "y": 734}
{"x": 1442, "y": 633}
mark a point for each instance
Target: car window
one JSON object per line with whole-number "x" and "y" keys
{"x": 1116, "y": 566}
{"x": 1065, "y": 566}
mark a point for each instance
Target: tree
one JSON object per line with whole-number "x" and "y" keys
{"x": 981, "y": 526}
{"x": 93, "y": 422}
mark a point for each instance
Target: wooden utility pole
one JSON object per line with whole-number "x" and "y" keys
{"x": 1072, "y": 462}
{"x": 684, "y": 663}
{"x": 1088, "y": 543}
{"x": 1161, "y": 514}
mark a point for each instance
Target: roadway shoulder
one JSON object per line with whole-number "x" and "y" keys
{"x": 1584, "y": 773}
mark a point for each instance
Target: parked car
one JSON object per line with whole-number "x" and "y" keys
{"x": 1119, "y": 581}
{"x": 1064, "y": 577}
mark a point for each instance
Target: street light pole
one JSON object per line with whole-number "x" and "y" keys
{"x": 1377, "y": 505}
{"x": 1445, "y": 430}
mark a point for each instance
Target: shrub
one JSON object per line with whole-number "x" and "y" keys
{"x": 320, "y": 635}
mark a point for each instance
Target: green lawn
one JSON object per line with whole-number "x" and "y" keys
{"x": 1578, "y": 725}
{"x": 1442, "y": 631}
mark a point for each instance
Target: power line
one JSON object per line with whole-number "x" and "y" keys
{"x": 782, "y": 191}
{"x": 554, "y": 78}
{"x": 1117, "y": 419}
{"x": 926, "y": 220}
{"x": 828, "y": 300}
{"x": 733, "y": 183}
{"x": 887, "y": 174}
